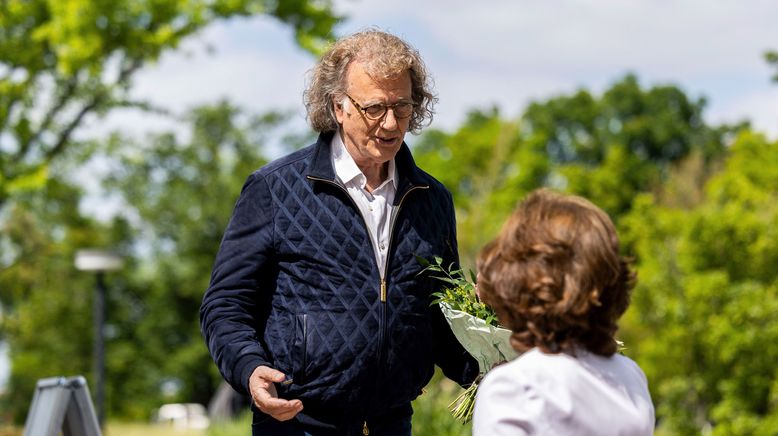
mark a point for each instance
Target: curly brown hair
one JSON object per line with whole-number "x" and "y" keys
{"x": 383, "y": 56}
{"x": 554, "y": 275}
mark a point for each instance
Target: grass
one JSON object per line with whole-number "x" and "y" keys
{"x": 145, "y": 429}
{"x": 431, "y": 414}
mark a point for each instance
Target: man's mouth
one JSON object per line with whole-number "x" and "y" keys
{"x": 386, "y": 140}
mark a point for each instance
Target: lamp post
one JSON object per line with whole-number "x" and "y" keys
{"x": 98, "y": 261}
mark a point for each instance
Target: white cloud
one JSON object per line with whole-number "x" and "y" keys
{"x": 759, "y": 107}
{"x": 498, "y": 52}
{"x": 509, "y": 53}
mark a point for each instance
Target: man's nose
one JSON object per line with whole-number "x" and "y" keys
{"x": 389, "y": 122}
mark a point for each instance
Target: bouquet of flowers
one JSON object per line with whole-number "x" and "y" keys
{"x": 475, "y": 326}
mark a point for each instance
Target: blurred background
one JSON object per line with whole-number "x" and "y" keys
{"x": 130, "y": 126}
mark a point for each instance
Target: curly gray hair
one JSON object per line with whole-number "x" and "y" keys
{"x": 384, "y": 56}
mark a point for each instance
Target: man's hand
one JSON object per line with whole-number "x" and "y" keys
{"x": 264, "y": 394}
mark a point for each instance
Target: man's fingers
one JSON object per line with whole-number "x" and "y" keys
{"x": 279, "y": 408}
{"x": 263, "y": 391}
{"x": 286, "y": 416}
{"x": 269, "y": 374}
{"x": 277, "y": 404}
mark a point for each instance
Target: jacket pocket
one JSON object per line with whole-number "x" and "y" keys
{"x": 410, "y": 356}
{"x": 300, "y": 348}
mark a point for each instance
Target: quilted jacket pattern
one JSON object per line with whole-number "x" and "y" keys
{"x": 296, "y": 287}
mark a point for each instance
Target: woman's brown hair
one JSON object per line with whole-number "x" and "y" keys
{"x": 555, "y": 277}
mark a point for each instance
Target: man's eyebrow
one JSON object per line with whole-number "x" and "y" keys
{"x": 382, "y": 103}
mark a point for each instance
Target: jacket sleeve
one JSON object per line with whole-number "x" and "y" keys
{"x": 456, "y": 363}
{"x": 235, "y": 306}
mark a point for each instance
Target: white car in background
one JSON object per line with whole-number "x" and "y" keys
{"x": 182, "y": 416}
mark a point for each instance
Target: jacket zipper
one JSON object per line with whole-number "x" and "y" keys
{"x": 382, "y": 336}
{"x": 305, "y": 345}
{"x": 382, "y": 285}
{"x": 391, "y": 237}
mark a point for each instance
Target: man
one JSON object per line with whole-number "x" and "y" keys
{"x": 316, "y": 306}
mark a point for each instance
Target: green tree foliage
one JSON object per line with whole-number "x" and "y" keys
{"x": 608, "y": 148}
{"x": 64, "y": 60}
{"x": 772, "y": 58}
{"x": 61, "y": 62}
{"x": 47, "y": 304}
{"x": 612, "y": 147}
{"x": 487, "y": 166}
{"x": 697, "y": 214}
{"x": 704, "y": 319}
{"x": 178, "y": 197}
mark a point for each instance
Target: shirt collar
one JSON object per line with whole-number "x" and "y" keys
{"x": 348, "y": 171}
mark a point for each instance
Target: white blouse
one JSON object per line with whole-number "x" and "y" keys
{"x": 558, "y": 394}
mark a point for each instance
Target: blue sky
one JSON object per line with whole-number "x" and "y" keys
{"x": 495, "y": 52}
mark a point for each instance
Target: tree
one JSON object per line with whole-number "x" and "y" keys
{"x": 608, "y": 148}
{"x": 695, "y": 205}
{"x": 612, "y": 147}
{"x": 46, "y": 304}
{"x": 772, "y": 58}
{"x": 704, "y": 318}
{"x": 487, "y": 166}
{"x": 62, "y": 61}
{"x": 180, "y": 196}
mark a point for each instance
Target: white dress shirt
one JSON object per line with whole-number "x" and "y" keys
{"x": 376, "y": 207}
{"x": 558, "y": 394}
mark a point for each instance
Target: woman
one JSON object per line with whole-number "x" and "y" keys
{"x": 555, "y": 278}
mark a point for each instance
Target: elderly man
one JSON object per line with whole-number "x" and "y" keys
{"x": 316, "y": 306}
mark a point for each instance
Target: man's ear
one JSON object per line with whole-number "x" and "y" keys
{"x": 340, "y": 112}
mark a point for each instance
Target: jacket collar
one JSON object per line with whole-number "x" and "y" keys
{"x": 321, "y": 165}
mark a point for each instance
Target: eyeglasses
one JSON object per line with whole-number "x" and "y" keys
{"x": 377, "y": 111}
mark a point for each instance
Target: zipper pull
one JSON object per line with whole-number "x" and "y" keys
{"x": 383, "y": 295}
{"x": 365, "y": 430}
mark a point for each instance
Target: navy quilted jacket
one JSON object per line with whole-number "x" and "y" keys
{"x": 296, "y": 287}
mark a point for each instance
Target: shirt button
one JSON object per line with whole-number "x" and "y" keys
{"x": 381, "y": 246}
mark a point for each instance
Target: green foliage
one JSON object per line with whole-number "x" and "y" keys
{"x": 660, "y": 124}
{"x": 459, "y": 292}
{"x": 772, "y": 58}
{"x": 431, "y": 415}
{"x": 704, "y": 318}
{"x": 178, "y": 197}
{"x": 699, "y": 217}
{"x": 236, "y": 427}
{"x": 62, "y": 61}
{"x": 487, "y": 166}
{"x": 608, "y": 148}
{"x": 46, "y": 303}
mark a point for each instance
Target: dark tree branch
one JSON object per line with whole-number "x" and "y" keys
{"x": 96, "y": 101}
{"x": 63, "y": 100}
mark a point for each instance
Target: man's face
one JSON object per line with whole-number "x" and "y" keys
{"x": 373, "y": 142}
